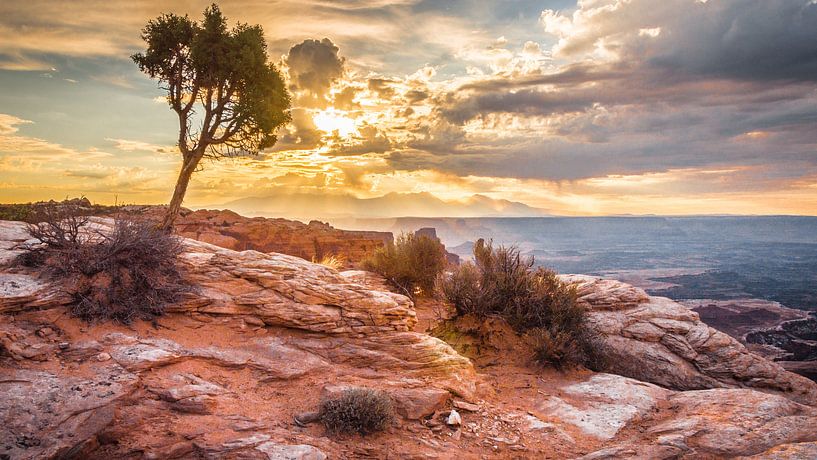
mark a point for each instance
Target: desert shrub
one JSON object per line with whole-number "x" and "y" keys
{"x": 57, "y": 225}
{"x": 501, "y": 282}
{"x": 19, "y": 212}
{"x": 412, "y": 263}
{"x": 130, "y": 272}
{"x": 357, "y": 410}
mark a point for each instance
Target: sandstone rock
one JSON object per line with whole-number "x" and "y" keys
{"x": 44, "y": 415}
{"x": 602, "y": 405}
{"x": 277, "y": 451}
{"x": 718, "y": 423}
{"x": 290, "y": 292}
{"x": 466, "y": 406}
{"x": 270, "y": 355}
{"x": 788, "y": 452}
{"x": 308, "y": 241}
{"x": 657, "y": 340}
{"x": 22, "y": 292}
{"x": 429, "y": 360}
{"x": 13, "y": 241}
{"x": 416, "y": 403}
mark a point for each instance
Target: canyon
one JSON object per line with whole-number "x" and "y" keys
{"x": 265, "y": 336}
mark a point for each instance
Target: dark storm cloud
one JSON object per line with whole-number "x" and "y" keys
{"x": 746, "y": 39}
{"x": 681, "y": 84}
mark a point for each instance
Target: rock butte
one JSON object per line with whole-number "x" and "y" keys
{"x": 266, "y": 335}
{"x": 308, "y": 241}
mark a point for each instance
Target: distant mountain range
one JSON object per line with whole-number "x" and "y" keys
{"x": 307, "y": 206}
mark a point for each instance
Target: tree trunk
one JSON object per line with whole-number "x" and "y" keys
{"x": 188, "y": 166}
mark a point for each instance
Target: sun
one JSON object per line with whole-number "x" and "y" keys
{"x": 331, "y": 120}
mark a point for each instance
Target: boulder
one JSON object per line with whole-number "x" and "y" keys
{"x": 657, "y": 340}
{"x": 718, "y": 423}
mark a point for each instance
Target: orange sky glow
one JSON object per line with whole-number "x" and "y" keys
{"x": 571, "y": 108}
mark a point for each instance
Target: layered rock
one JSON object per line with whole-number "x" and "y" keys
{"x": 306, "y": 323}
{"x": 46, "y": 415}
{"x": 640, "y": 420}
{"x": 655, "y": 339}
{"x": 266, "y": 336}
{"x": 308, "y": 241}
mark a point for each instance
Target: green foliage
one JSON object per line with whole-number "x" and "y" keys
{"x": 501, "y": 282}
{"x": 357, "y": 410}
{"x": 412, "y": 263}
{"x": 229, "y": 98}
{"x": 242, "y": 96}
{"x": 18, "y": 212}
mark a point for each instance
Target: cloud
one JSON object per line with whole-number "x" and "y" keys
{"x": 313, "y": 67}
{"x": 30, "y": 149}
{"x": 740, "y": 39}
{"x": 127, "y": 145}
{"x": 300, "y": 134}
{"x": 369, "y": 140}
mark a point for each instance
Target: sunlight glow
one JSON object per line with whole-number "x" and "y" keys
{"x": 331, "y": 120}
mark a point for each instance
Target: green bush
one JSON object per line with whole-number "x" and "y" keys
{"x": 501, "y": 282}
{"x": 411, "y": 264}
{"x": 357, "y": 410}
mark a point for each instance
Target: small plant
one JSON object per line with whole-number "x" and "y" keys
{"x": 357, "y": 410}
{"x": 501, "y": 282}
{"x": 411, "y": 264}
{"x": 130, "y": 272}
{"x": 332, "y": 261}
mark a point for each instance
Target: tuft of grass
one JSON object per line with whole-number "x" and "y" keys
{"x": 357, "y": 410}
{"x": 332, "y": 261}
{"x": 411, "y": 264}
{"x": 501, "y": 282}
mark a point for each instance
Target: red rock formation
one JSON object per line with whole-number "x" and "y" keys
{"x": 308, "y": 241}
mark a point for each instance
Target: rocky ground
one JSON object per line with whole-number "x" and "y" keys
{"x": 266, "y": 336}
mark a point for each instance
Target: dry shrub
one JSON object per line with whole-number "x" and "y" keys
{"x": 501, "y": 282}
{"x": 411, "y": 264}
{"x": 129, "y": 273}
{"x": 332, "y": 261}
{"x": 357, "y": 410}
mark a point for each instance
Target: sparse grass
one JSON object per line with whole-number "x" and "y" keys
{"x": 412, "y": 264}
{"x": 531, "y": 299}
{"x": 332, "y": 261}
{"x": 128, "y": 273}
{"x": 357, "y": 410}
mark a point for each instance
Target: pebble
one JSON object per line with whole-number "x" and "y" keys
{"x": 103, "y": 357}
{"x": 64, "y": 345}
{"x": 454, "y": 418}
{"x": 466, "y": 406}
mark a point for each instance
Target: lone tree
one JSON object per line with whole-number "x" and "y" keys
{"x": 229, "y": 98}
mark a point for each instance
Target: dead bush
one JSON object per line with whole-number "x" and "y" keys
{"x": 411, "y": 264}
{"x": 357, "y": 410}
{"x": 57, "y": 225}
{"x": 128, "y": 273}
{"x": 501, "y": 282}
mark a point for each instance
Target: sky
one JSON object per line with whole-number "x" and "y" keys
{"x": 593, "y": 107}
